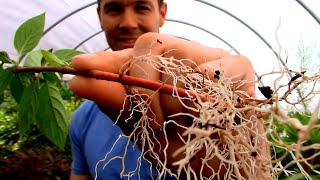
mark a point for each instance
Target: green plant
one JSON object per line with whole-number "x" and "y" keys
{"x": 38, "y": 99}
{"x": 35, "y": 85}
{"x": 289, "y": 136}
{"x": 32, "y": 156}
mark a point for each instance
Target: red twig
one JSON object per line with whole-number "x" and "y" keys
{"x": 123, "y": 79}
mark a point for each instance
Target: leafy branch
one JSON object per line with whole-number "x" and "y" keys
{"x": 37, "y": 94}
{"x": 34, "y": 83}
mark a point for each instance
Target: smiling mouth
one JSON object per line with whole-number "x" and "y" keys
{"x": 128, "y": 40}
{"x": 129, "y": 43}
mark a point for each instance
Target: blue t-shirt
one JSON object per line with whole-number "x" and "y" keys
{"x": 93, "y": 134}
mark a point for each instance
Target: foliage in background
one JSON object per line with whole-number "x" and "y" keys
{"x": 289, "y": 135}
{"x": 35, "y": 110}
{"x": 36, "y": 163}
{"x": 37, "y": 96}
{"x": 32, "y": 156}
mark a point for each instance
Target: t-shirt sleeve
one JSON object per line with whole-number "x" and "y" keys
{"x": 79, "y": 163}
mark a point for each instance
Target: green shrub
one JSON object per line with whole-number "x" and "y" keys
{"x": 33, "y": 155}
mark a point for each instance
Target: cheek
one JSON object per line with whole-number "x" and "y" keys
{"x": 108, "y": 24}
{"x": 150, "y": 24}
{"x": 109, "y": 31}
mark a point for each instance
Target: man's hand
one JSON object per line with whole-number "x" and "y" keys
{"x": 111, "y": 96}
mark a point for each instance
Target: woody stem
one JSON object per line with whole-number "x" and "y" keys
{"x": 123, "y": 79}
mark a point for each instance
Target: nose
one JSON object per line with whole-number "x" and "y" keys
{"x": 128, "y": 20}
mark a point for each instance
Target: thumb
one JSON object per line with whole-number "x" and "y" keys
{"x": 109, "y": 61}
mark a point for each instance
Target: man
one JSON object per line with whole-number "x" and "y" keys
{"x": 123, "y": 21}
{"x": 92, "y": 133}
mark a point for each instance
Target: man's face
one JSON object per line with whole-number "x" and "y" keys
{"x": 123, "y": 21}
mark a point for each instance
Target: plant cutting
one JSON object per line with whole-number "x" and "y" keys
{"x": 224, "y": 119}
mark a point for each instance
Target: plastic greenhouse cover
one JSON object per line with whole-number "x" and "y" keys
{"x": 261, "y": 30}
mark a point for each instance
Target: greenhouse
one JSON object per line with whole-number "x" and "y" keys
{"x": 281, "y": 39}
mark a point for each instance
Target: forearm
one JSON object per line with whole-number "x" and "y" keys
{"x": 79, "y": 177}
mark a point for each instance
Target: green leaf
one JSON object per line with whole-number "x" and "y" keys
{"x": 67, "y": 54}
{"x": 27, "y": 108}
{"x": 18, "y": 83}
{"x": 304, "y": 119}
{"x": 4, "y": 58}
{"x": 33, "y": 59}
{"x": 279, "y": 150}
{"x": 314, "y": 135}
{"x": 51, "y": 115}
{"x": 315, "y": 177}
{"x": 5, "y": 78}
{"x": 52, "y": 59}
{"x": 29, "y": 34}
{"x": 1, "y": 98}
{"x": 298, "y": 176}
{"x": 292, "y": 135}
{"x": 51, "y": 78}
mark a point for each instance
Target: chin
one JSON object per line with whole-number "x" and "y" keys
{"x": 125, "y": 47}
{"x": 121, "y": 47}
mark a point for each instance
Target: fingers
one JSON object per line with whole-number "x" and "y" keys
{"x": 236, "y": 67}
{"x": 171, "y": 46}
{"x": 110, "y": 96}
{"x": 104, "y": 61}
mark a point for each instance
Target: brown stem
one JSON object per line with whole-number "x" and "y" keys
{"x": 123, "y": 79}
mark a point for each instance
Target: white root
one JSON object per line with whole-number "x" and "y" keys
{"x": 238, "y": 143}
